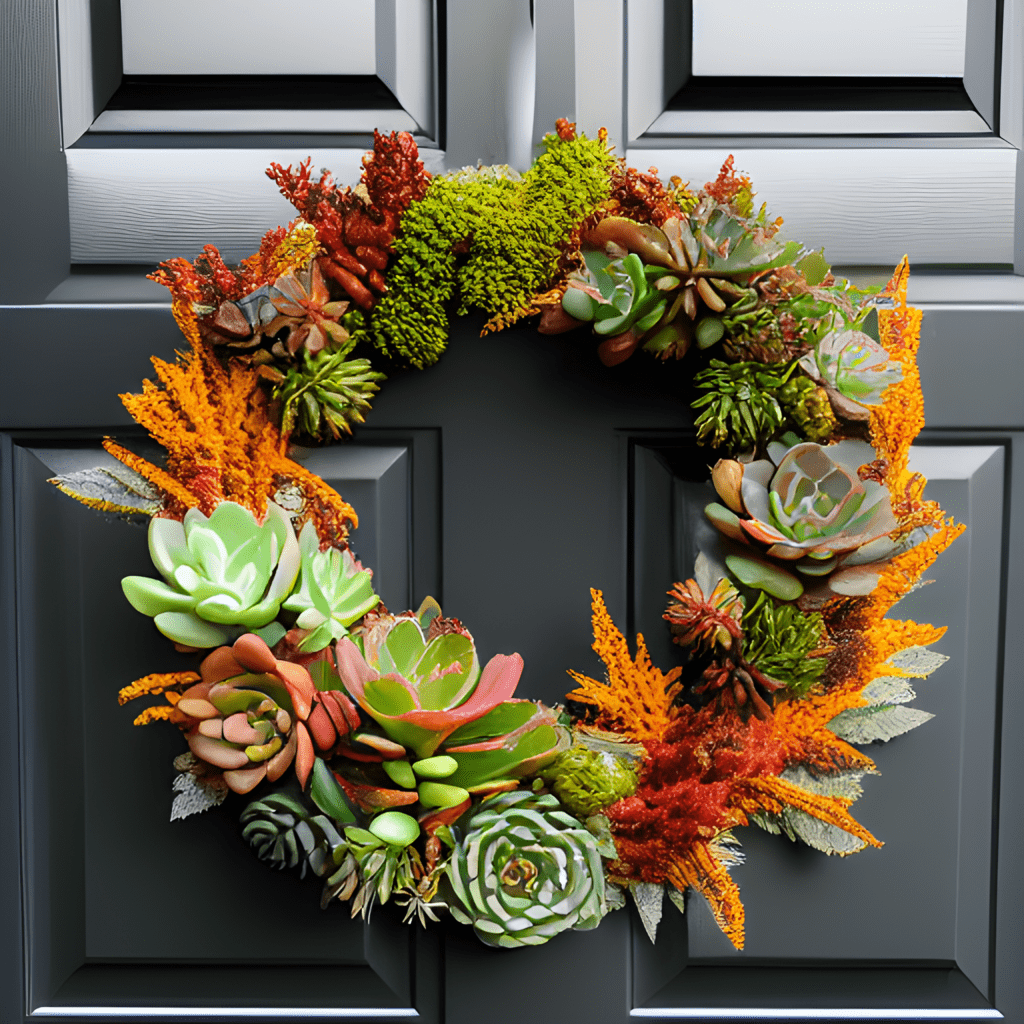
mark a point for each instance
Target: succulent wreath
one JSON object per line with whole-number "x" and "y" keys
{"x": 382, "y": 753}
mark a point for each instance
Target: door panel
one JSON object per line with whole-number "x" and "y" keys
{"x": 525, "y": 473}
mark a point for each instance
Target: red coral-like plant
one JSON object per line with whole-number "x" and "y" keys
{"x": 357, "y": 226}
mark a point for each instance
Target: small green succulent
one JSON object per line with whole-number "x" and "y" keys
{"x": 525, "y": 871}
{"x": 807, "y": 405}
{"x": 587, "y": 781}
{"x": 324, "y": 394}
{"x": 283, "y": 831}
{"x": 619, "y": 294}
{"x": 332, "y": 593}
{"x": 223, "y": 575}
{"x": 740, "y": 409}
{"x": 779, "y": 637}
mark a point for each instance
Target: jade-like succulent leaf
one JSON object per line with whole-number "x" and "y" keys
{"x": 328, "y": 795}
{"x": 389, "y": 696}
{"x": 763, "y": 575}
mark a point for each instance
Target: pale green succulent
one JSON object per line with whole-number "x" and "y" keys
{"x": 331, "y": 595}
{"x": 587, "y": 781}
{"x": 223, "y": 575}
{"x": 854, "y": 366}
{"x": 525, "y": 871}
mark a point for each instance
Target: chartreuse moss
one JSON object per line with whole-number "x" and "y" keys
{"x": 512, "y": 230}
{"x": 587, "y": 781}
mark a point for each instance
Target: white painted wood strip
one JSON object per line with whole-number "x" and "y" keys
{"x": 872, "y": 206}
{"x": 818, "y": 122}
{"x": 146, "y": 205}
{"x": 248, "y": 37}
{"x": 254, "y": 121}
{"x": 855, "y": 38}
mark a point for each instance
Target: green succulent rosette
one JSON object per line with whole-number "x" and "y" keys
{"x": 332, "y": 592}
{"x": 223, "y": 575}
{"x": 525, "y": 871}
{"x": 855, "y": 370}
{"x": 805, "y": 508}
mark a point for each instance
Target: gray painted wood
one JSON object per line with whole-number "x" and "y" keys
{"x": 561, "y": 424}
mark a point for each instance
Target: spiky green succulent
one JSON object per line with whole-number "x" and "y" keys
{"x": 224, "y": 575}
{"x": 332, "y": 592}
{"x": 325, "y": 394}
{"x": 512, "y": 230}
{"x": 739, "y": 410}
{"x": 586, "y": 781}
{"x": 369, "y": 869}
{"x": 778, "y": 639}
{"x": 524, "y": 871}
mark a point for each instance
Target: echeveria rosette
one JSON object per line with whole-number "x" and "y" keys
{"x": 525, "y": 871}
{"x": 223, "y": 575}
{"x": 331, "y": 595}
{"x": 254, "y": 716}
{"x": 855, "y": 370}
{"x": 806, "y": 508}
{"x": 421, "y": 691}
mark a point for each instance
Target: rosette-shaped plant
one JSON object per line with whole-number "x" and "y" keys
{"x": 223, "y": 575}
{"x": 253, "y": 716}
{"x": 421, "y": 688}
{"x": 331, "y": 595}
{"x": 854, "y": 369}
{"x": 525, "y": 871}
{"x": 805, "y": 507}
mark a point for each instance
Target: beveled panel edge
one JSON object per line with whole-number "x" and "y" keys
{"x": 380, "y": 459}
{"x": 979, "y": 454}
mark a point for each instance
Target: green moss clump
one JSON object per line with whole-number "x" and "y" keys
{"x": 512, "y": 231}
{"x": 586, "y": 781}
{"x": 778, "y": 638}
{"x": 807, "y": 406}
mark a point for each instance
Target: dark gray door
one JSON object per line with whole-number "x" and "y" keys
{"x": 507, "y": 481}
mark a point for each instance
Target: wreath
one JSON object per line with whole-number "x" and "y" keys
{"x": 382, "y": 753}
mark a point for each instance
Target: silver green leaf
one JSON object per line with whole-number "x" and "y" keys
{"x": 194, "y": 796}
{"x": 889, "y": 690}
{"x": 877, "y": 723}
{"x": 648, "y": 897}
{"x": 115, "y": 489}
{"x": 918, "y": 661}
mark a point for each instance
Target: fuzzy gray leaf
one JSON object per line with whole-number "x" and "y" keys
{"x": 889, "y": 690}
{"x": 648, "y": 898}
{"x": 194, "y": 796}
{"x": 919, "y": 661}
{"x": 115, "y": 489}
{"x": 877, "y": 723}
{"x": 820, "y": 835}
{"x": 845, "y": 785}
{"x": 677, "y": 898}
{"x": 614, "y": 898}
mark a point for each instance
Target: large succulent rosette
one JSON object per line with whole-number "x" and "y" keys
{"x": 222, "y": 575}
{"x": 525, "y": 871}
{"x": 854, "y": 369}
{"x": 808, "y": 513}
{"x": 424, "y": 687}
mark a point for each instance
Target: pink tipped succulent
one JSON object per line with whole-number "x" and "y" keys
{"x": 808, "y": 508}
{"x": 253, "y": 716}
{"x": 421, "y": 687}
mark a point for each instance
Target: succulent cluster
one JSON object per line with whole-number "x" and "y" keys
{"x": 383, "y": 755}
{"x": 229, "y": 574}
